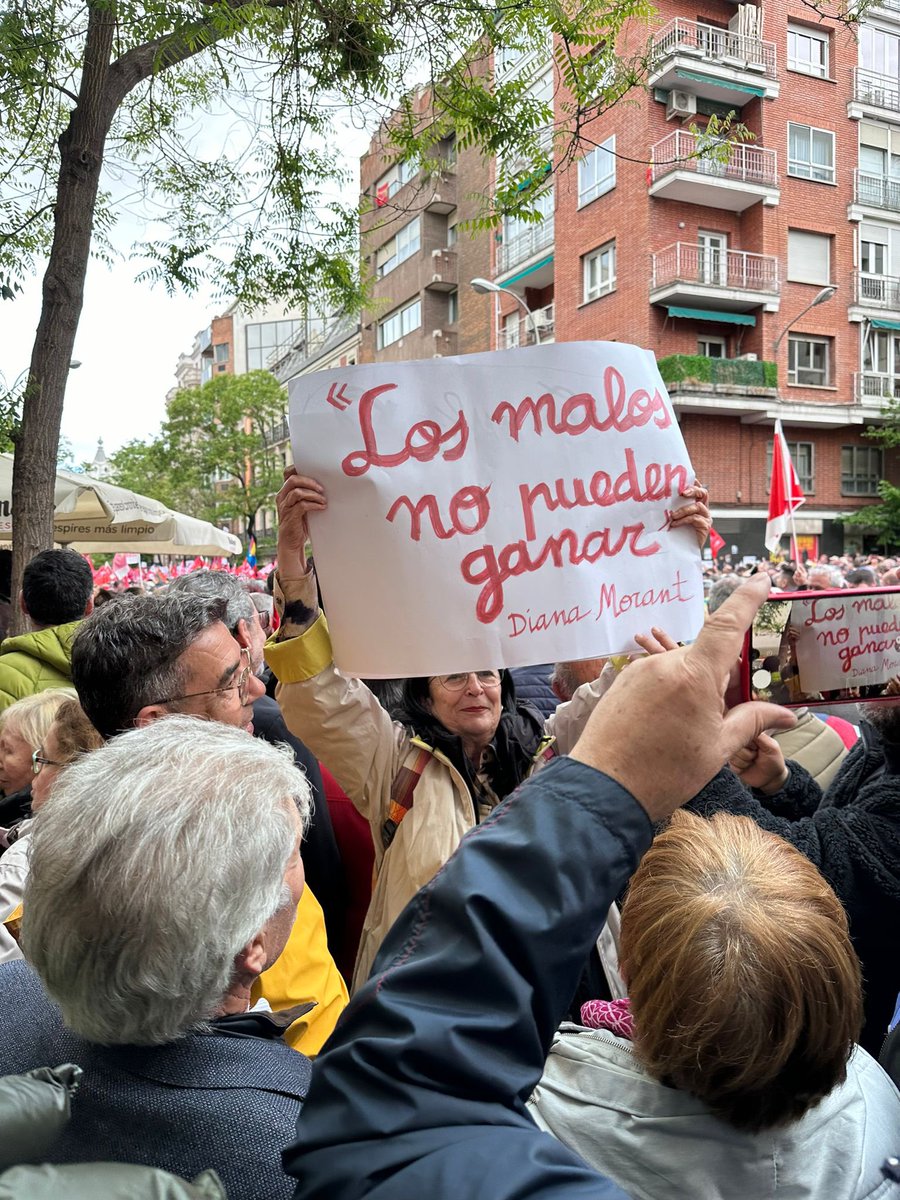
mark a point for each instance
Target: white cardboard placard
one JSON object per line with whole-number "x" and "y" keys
{"x": 498, "y": 509}
{"x": 847, "y": 641}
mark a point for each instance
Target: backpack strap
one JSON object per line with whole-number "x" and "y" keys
{"x": 403, "y": 792}
{"x": 546, "y": 750}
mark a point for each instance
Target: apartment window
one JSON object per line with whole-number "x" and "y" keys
{"x": 405, "y": 243}
{"x": 873, "y": 249}
{"x": 807, "y": 50}
{"x": 452, "y": 307}
{"x": 599, "y": 272}
{"x": 511, "y": 331}
{"x": 712, "y": 347}
{"x": 809, "y": 360}
{"x": 809, "y": 257}
{"x": 220, "y": 352}
{"x": 810, "y": 153}
{"x": 861, "y": 469}
{"x": 879, "y": 51}
{"x": 399, "y": 324}
{"x": 264, "y": 338}
{"x": 803, "y": 456}
{"x": 881, "y": 355}
{"x": 452, "y": 234}
{"x": 597, "y": 172}
{"x": 393, "y": 180}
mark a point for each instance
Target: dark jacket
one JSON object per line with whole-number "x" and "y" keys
{"x": 321, "y": 857}
{"x": 219, "y": 1100}
{"x": 533, "y": 687}
{"x": 852, "y": 834}
{"x": 421, "y": 1091}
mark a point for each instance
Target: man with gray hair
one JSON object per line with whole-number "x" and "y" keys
{"x": 166, "y": 871}
{"x": 321, "y": 858}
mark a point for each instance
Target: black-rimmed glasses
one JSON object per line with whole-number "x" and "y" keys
{"x": 38, "y": 761}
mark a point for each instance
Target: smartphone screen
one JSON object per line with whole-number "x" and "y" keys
{"x": 831, "y": 647}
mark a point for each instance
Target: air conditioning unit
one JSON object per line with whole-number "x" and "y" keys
{"x": 543, "y": 320}
{"x": 748, "y": 358}
{"x": 437, "y": 333}
{"x": 681, "y": 104}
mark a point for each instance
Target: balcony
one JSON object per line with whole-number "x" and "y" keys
{"x": 279, "y": 432}
{"x": 521, "y": 333}
{"x": 440, "y": 192}
{"x": 713, "y": 62}
{"x": 880, "y": 292}
{"x": 870, "y": 192}
{"x": 735, "y": 280}
{"x": 748, "y": 175}
{"x": 889, "y": 9}
{"x": 874, "y": 387}
{"x": 873, "y": 95}
{"x": 439, "y": 272}
{"x": 525, "y": 245}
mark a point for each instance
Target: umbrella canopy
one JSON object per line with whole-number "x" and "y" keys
{"x": 94, "y": 517}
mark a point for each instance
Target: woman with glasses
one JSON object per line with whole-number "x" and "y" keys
{"x": 22, "y": 729}
{"x": 67, "y": 735}
{"x": 452, "y": 748}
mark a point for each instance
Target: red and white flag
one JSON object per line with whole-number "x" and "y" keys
{"x": 716, "y": 542}
{"x": 785, "y": 494}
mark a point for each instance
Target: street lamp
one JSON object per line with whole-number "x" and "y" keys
{"x": 483, "y": 286}
{"x": 820, "y": 298}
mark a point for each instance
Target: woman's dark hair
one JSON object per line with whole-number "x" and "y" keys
{"x": 518, "y": 735}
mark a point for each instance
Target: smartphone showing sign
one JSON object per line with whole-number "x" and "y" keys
{"x": 827, "y": 647}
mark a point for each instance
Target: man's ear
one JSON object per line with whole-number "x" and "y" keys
{"x": 22, "y": 603}
{"x": 242, "y": 634}
{"x": 150, "y": 713}
{"x": 89, "y": 607}
{"x": 253, "y": 958}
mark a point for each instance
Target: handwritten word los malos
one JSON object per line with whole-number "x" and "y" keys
{"x": 490, "y": 568}
{"x": 615, "y": 409}
{"x": 423, "y": 441}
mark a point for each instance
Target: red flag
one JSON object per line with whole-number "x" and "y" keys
{"x": 381, "y": 195}
{"x": 716, "y": 542}
{"x": 785, "y": 494}
{"x": 650, "y": 166}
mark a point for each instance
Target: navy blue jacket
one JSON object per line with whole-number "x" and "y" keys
{"x": 208, "y": 1100}
{"x": 533, "y": 687}
{"x": 421, "y": 1090}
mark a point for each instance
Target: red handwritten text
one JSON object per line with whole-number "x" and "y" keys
{"x": 616, "y": 410}
{"x": 423, "y": 441}
{"x": 659, "y": 480}
{"x": 542, "y": 621}
{"x": 467, "y": 498}
{"x": 491, "y": 569}
{"x": 616, "y": 604}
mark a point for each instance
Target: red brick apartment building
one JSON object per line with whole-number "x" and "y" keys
{"x": 713, "y": 264}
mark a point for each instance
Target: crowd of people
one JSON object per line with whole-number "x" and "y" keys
{"x": 602, "y": 937}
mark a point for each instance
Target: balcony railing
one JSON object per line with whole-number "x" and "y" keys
{"x": 878, "y": 191}
{"x": 526, "y": 244}
{"x": 745, "y": 163}
{"x": 697, "y": 372}
{"x": 877, "y": 291}
{"x": 881, "y": 91}
{"x": 279, "y": 432}
{"x": 872, "y": 385}
{"x": 708, "y": 266}
{"x": 715, "y": 45}
{"x": 521, "y": 333}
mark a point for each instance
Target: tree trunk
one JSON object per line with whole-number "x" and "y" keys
{"x": 81, "y": 156}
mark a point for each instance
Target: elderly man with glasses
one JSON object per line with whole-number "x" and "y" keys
{"x": 138, "y": 660}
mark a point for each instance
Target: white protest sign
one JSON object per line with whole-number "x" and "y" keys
{"x": 497, "y": 509}
{"x": 847, "y": 641}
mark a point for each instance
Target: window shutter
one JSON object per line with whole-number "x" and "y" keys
{"x": 808, "y": 257}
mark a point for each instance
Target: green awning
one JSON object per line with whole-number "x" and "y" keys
{"x": 705, "y": 314}
{"x": 878, "y": 323}
{"x": 529, "y": 270}
{"x": 747, "y": 88}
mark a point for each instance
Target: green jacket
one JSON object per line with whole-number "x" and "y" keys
{"x": 33, "y": 662}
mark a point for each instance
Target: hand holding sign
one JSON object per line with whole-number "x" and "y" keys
{"x": 299, "y": 495}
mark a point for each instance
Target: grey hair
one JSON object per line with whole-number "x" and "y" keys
{"x": 156, "y": 860}
{"x": 564, "y": 681}
{"x": 218, "y": 585}
{"x": 31, "y": 717}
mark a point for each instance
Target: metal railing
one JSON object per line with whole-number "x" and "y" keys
{"x": 877, "y": 291}
{"x": 872, "y": 385}
{"x": 521, "y": 333}
{"x": 525, "y": 244}
{"x": 720, "y": 46}
{"x": 746, "y": 163}
{"x": 708, "y": 266}
{"x": 881, "y": 91}
{"x": 879, "y": 191}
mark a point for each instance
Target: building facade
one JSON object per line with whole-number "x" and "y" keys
{"x": 764, "y": 276}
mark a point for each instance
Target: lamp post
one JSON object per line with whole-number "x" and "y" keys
{"x": 820, "y": 298}
{"x": 483, "y": 286}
